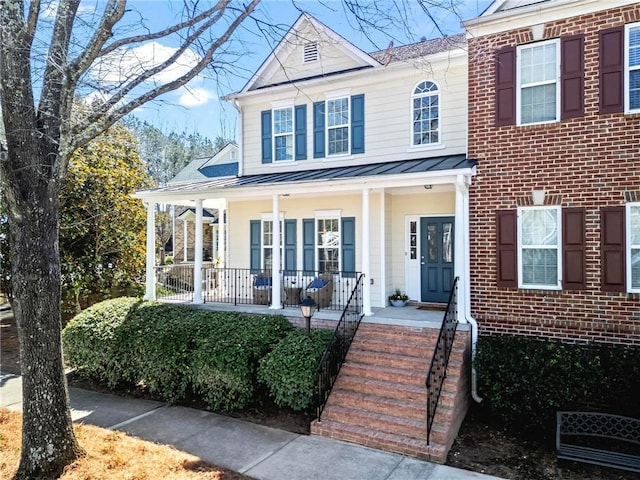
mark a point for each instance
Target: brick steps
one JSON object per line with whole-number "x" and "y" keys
{"x": 379, "y": 399}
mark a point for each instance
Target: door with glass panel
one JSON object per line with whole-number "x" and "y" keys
{"x": 436, "y": 258}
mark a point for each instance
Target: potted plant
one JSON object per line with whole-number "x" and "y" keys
{"x": 398, "y": 299}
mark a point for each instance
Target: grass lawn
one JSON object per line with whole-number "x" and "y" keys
{"x": 113, "y": 455}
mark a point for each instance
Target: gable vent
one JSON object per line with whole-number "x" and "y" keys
{"x": 310, "y": 52}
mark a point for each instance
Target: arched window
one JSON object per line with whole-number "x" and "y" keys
{"x": 425, "y": 129}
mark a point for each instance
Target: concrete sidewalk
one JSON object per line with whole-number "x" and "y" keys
{"x": 260, "y": 452}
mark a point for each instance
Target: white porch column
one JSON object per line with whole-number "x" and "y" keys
{"x": 150, "y": 281}
{"x": 382, "y": 282}
{"x": 222, "y": 226}
{"x": 197, "y": 266}
{"x": 366, "y": 253}
{"x": 276, "y": 302}
{"x": 185, "y": 237}
{"x": 461, "y": 247}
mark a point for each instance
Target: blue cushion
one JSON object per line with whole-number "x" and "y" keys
{"x": 263, "y": 281}
{"x": 318, "y": 283}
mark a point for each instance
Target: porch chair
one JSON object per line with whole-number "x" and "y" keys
{"x": 262, "y": 286}
{"x": 320, "y": 289}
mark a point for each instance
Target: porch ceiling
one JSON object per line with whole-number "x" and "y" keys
{"x": 405, "y": 173}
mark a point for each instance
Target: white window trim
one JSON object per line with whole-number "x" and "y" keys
{"x": 269, "y": 218}
{"x": 519, "y": 86}
{"x": 629, "y": 247}
{"x": 426, "y": 146}
{"x": 325, "y": 216}
{"x": 558, "y": 286}
{"x": 627, "y": 70}
{"x": 328, "y": 99}
{"x": 283, "y": 106}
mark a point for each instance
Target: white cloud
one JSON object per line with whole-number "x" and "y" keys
{"x": 123, "y": 64}
{"x": 194, "y": 97}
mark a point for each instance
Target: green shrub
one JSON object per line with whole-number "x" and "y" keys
{"x": 524, "y": 381}
{"x": 91, "y": 339}
{"x": 224, "y": 364}
{"x": 170, "y": 348}
{"x": 290, "y": 370}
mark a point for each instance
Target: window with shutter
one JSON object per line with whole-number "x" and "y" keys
{"x": 633, "y": 249}
{"x": 538, "y": 76}
{"x": 539, "y": 241}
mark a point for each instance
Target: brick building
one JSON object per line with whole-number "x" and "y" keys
{"x": 554, "y": 122}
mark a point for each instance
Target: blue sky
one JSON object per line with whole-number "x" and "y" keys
{"x": 198, "y": 107}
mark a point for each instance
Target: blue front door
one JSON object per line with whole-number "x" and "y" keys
{"x": 436, "y": 258}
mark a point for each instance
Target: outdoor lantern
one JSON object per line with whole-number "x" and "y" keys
{"x": 308, "y": 308}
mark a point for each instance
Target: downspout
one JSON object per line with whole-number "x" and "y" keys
{"x": 467, "y": 297}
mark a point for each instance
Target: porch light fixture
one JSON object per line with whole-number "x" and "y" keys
{"x": 308, "y": 308}
{"x": 537, "y": 197}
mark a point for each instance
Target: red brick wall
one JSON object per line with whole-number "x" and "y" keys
{"x": 587, "y": 162}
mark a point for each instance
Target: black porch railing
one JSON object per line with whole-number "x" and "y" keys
{"x": 336, "y": 352}
{"x": 438, "y": 368}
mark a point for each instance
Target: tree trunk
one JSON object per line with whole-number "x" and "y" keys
{"x": 48, "y": 440}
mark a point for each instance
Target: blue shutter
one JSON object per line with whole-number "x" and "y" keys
{"x": 254, "y": 243}
{"x": 267, "y": 155}
{"x": 301, "y": 132}
{"x": 290, "y": 247}
{"x": 308, "y": 246}
{"x": 349, "y": 247}
{"x": 318, "y": 130}
{"x": 357, "y": 124}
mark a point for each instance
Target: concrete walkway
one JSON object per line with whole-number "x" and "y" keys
{"x": 260, "y": 452}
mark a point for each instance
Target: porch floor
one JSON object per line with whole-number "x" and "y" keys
{"x": 408, "y": 316}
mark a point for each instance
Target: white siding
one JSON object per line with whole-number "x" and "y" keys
{"x": 387, "y": 115}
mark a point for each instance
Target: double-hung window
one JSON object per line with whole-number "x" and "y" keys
{"x": 425, "y": 114}
{"x": 338, "y": 126}
{"x": 633, "y": 246}
{"x": 632, "y": 70}
{"x": 328, "y": 244}
{"x": 538, "y": 73}
{"x": 539, "y": 256}
{"x": 283, "y": 133}
{"x": 267, "y": 244}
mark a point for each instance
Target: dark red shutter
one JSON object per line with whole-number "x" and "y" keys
{"x": 573, "y": 249}
{"x": 612, "y": 249}
{"x": 506, "y": 249}
{"x": 572, "y": 76}
{"x": 612, "y": 70}
{"x": 506, "y": 86}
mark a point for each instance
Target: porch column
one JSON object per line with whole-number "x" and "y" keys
{"x": 222, "y": 235}
{"x": 366, "y": 253}
{"x": 276, "y": 302}
{"x": 382, "y": 282}
{"x": 197, "y": 266}
{"x": 185, "y": 237}
{"x": 150, "y": 280}
{"x": 462, "y": 245}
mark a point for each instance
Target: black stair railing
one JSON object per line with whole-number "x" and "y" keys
{"x": 438, "y": 368}
{"x": 336, "y": 352}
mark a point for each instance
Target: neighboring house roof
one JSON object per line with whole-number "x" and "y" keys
{"x": 207, "y": 167}
{"x": 424, "y": 165}
{"x": 504, "y": 5}
{"x": 420, "y": 49}
{"x": 190, "y": 213}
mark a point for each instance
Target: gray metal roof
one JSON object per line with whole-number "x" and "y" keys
{"x": 423, "y": 165}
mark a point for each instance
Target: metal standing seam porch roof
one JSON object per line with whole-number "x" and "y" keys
{"x": 423, "y": 165}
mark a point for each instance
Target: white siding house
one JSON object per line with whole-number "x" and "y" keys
{"x": 361, "y": 156}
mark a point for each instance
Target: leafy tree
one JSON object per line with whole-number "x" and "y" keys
{"x": 102, "y": 228}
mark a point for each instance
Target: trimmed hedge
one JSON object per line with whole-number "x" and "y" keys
{"x": 524, "y": 381}
{"x": 168, "y": 348}
{"x": 290, "y": 370}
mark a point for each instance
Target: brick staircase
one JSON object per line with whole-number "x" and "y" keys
{"x": 379, "y": 399}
